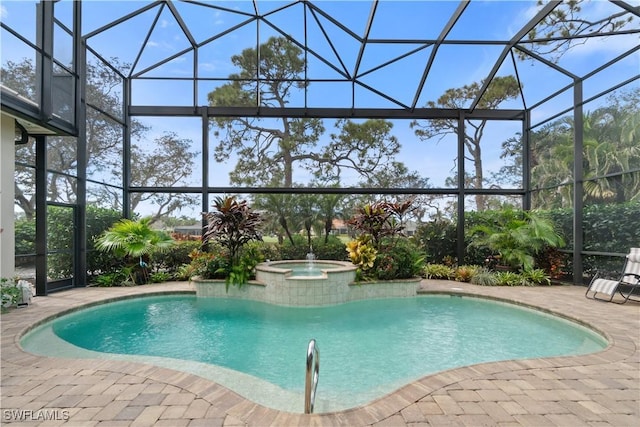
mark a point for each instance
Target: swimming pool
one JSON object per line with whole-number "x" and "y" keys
{"x": 368, "y": 348}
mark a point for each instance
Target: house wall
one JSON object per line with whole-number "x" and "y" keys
{"x": 7, "y": 229}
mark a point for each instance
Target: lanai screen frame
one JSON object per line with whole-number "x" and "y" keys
{"x": 205, "y": 113}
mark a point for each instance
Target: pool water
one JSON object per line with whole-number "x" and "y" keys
{"x": 306, "y": 268}
{"x": 367, "y": 348}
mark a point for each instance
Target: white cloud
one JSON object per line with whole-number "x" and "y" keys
{"x": 3, "y": 12}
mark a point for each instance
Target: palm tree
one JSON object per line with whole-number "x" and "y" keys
{"x": 329, "y": 209}
{"x": 135, "y": 240}
{"x": 611, "y": 150}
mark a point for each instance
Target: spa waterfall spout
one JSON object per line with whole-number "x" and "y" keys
{"x": 310, "y": 259}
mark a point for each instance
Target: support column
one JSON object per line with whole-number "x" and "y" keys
{"x": 578, "y": 182}
{"x": 7, "y": 194}
{"x": 460, "y": 247}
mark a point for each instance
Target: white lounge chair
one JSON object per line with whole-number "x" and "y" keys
{"x": 605, "y": 289}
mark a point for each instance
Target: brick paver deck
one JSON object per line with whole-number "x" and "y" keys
{"x": 600, "y": 389}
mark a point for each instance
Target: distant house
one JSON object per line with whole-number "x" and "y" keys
{"x": 339, "y": 226}
{"x": 188, "y": 230}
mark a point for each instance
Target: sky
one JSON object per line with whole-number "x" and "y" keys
{"x": 454, "y": 66}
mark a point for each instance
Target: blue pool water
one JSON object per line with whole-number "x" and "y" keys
{"x": 367, "y": 348}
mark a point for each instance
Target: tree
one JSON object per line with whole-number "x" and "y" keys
{"x": 397, "y": 175}
{"x": 567, "y": 26}
{"x": 162, "y": 169}
{"x": 278, "y": 210}
{"x": 499, "y": 90}
{"x": 329, "y": 208}
{"x": 611, "y": 150}
{"x": 268, "y": 149}
{"x": 104, "y": 138}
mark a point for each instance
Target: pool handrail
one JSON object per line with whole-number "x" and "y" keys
{"x": 311, "y": 383}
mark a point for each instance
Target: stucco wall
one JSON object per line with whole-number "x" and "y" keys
{"x": 7, "y": 234}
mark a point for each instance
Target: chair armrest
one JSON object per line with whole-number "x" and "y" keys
{"x": 636, "y": 276}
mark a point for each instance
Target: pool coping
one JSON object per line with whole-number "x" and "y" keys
{"x": 553, "y": 391}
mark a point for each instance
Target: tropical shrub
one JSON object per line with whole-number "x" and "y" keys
{"x": 98, "y": 220}
{"x": 232, "y": 225}
{"x": 329, "y": 247}
{"x": 516, "y": 237}
{"x": 437, "y": 239}
{"x": 159, "y": 277}
{"x": 170, "y": 261}
{"x": 400, "y": 260}
{"x": 362, "y": 252}
{"x": 134, "y": 241}
{"x": 266, "y": 251}
{"x": 535, "y": 277}
{"x": 296, "y": 248}
{"x": 9, "y": 292}
{"x": 380, "y": 220}
{"x": 509, "y": 278}
{"x": 464, "y": 273}
{"x": 115, "y": 278}
{"x": 210, "y": 264}
{"x": 381, "y": 251}
{"x": 437, "y": 271}
{"x": 25, "y": 241}
{"x": 484, "y": 277}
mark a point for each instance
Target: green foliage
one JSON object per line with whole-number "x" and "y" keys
{"x": 134, "y": 241}
{"x": 241, "y": 273}
{"x": 381, "y": 251}
{"x": 134, "y": 238}
{"x": 116, "y": 278}
{"x": 159, "y": 277}
{"x": 25, "y": 236}
{"x": 610, "y": 227}
{"x": 98, "y": 220}
{"x": 232, "y": 225}
{"x": 9, "y": 292}
{"x": 401, "y": 259}
{"x": 437, "y": 239}
{"x": 329, "y": 247}
{"x": 437, "y": 271}
{"x": 263, "y": 250}
{"x": 171, "y": 261}
{"x": 380, "y": 220}
{"x": 237, "y": 275}
{"x": 362, "y": 252}
{"x": 509, "y": 278}
{"x": 210, "y": 264}
{"x": 296, "y": 248}
{"x": 535, "y": 277}
{"x": 516, "y": 236}
{"x": 465, "y": 273}
{"x": 484, "y": 277}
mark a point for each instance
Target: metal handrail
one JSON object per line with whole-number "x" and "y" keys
{"x": 311, "y": 383}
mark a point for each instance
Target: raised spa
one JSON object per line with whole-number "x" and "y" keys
{"x": 367, "y": 348}
{"x": 301, "y": 283}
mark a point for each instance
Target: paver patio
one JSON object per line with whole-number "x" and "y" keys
{"x": 601, "y": 389}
